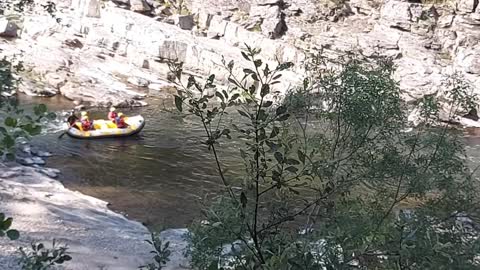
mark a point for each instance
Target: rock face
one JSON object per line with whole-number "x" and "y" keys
{"x": 43, "y": 210}
{"x": 95, "y": 54}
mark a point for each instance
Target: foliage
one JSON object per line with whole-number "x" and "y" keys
{"x": 15, "y": 124}
{"x": 20, "y": 6}
{"x": 5, "y": 224}
{"x": 355, "y": 191}
{"x": 161, "y": 253}
{"x": 38, "y": 257}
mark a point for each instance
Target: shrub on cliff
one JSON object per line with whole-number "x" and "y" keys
{"x": 348, "y": 185}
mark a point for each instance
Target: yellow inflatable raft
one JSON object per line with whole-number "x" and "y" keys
{"x": 107, "y": 129}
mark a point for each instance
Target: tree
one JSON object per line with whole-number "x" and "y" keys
{"x": 359, "y": 190}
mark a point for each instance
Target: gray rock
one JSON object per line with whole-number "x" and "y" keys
{"x": 139, "y": 6}
{"x": 467, "y": 6}
{"x": 163, "y": 11}
{"x": 122, "y": 3}
{"x": 397, "y": 14}
{"x": 40, "y": 153}
{"x": 173, "y": 50}
{"x": 273, "y": 20}
{"x": 56, "y": 80}
{"x": 217, "y": 27}
{"x": 8, "y": 29}
{"x": 185, "y": 22}
{"x": 25, "y": 161}
{"x": 137, "y": 81}
{"x": 93, "y": 8}
{"x": 52, "y": 173}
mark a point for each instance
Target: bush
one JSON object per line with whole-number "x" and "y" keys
{"x": 38, "y": 257}
{"x": 354, "y": 191}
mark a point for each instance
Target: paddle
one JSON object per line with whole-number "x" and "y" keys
{"x": 61, "y": 135}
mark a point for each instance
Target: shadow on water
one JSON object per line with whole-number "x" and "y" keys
{"x": 156, "y": 177}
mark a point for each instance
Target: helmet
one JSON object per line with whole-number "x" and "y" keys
{"x": 120, "y": 114}
{"x": 84, "y": 113}
{"x": 112, "y": 109}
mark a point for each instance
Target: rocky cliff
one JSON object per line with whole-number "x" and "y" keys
{"x": 100, "y": 48}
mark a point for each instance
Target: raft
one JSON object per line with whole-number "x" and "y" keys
{"x": 107, "y": 129}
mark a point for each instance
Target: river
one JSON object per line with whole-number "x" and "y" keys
{"x": 159, "y": 177}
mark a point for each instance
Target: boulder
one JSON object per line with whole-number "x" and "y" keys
{"x": 139, "y": 6}
{"x": 185, "y": 22}
{"x": 467, "y": 6}
{"x": 273, "y": 20}
{"x": 397, "y": 14}
{"x": 204, "y": 19}
{"x": 173, "y": 50}
{"x": 137, "y": 81}
{"x": 469, "y": 60}
{"x": 8, "y": 29}
{"x": 217, "y": 27}
{"x": 93, "y": 8}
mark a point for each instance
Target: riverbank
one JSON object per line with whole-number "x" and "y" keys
{"x": 98, "y": 238}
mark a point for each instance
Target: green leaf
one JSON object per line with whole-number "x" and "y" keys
{"x": 258, "y": 63}
{"x": 211, "y": 78}
{"x": 245, "y": 56}
{"x": 230, "y": 64}
{"x": 40, "y": 109}
{"x": 8, "y": 141}
{"x": 179, "y": 103}
{"x": 281, "y": 110}
{"x": 267, "y": 104}
{"x": 275, "y": 131}
{"x": 248, "y": 71}
{"x": 292, "y": 169}
{"x": 13, "y": 234}
{"x": 285, "y": 66}
{"x": 301, "y": 156}
{"x": 32, "y": 129}
{"x": 265, "y": 90}
{"x": 7, "y": 223}
{"x": 234, "y": 97}
{"x": 292, "y": 161}
{"x": 242, "y": 113}
{"x": 10, "y": 122}
{"x": 283, "y": 117}
{"x": 218, "y": 94}
{"x": 279, "y": 157}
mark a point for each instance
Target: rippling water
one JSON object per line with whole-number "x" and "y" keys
{"x": 156, "y": 177}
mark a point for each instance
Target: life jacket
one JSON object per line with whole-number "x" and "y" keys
{"x": 121, "y": 123}
{"x": 86, "y": 124}
{"x": 112, "y": 116}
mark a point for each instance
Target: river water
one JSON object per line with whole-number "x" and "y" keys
{"x": 159, "y": 177}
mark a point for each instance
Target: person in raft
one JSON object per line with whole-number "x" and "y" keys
{"x": 72, "y": 119}
{"x": 112, "y": 115}
{"x": 85, "y": 121}
{"x": 121, "y": 121}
